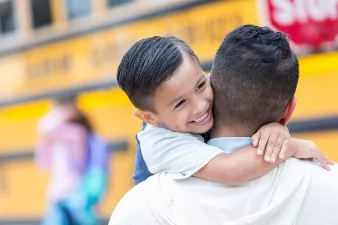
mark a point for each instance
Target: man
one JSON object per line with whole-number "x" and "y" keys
{"x": 254, "y": 78}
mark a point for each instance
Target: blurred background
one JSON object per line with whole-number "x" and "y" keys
{"x": 58, "y": 60}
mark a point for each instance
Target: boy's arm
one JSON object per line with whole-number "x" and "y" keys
{"x": 245, "y": 164}
{"x": 237, "y": 167}
{"x": 182, "y": 155}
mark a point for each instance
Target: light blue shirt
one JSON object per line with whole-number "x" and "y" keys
{"x": 230, "y": 144}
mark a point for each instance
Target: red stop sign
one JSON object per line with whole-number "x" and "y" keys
{"x": 310, "y": 24}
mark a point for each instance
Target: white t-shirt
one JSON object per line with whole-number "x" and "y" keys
{"x": 178, "y": 154}
{"x": 296, "y": 192}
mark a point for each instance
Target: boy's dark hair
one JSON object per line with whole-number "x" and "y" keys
{"x": 149, "y": 63}
{"x": 254, "y": 76}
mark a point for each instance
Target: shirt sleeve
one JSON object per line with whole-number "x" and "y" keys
{"x": 178, "y": 154}
{"x": 42, "y": 155}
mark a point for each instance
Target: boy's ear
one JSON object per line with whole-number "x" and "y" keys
{"x": 147, "y": 117}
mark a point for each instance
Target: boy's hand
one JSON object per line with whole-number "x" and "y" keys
{"x": 272, "y": 139}
{"x": 308, "y": 150}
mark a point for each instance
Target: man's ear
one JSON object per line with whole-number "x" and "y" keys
{"x": 289, "y": 111}
{"x": 147, "y": 117}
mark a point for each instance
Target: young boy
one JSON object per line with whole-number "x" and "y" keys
{"x": 173, "y": 96}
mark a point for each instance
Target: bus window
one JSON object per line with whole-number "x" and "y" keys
{"x": 6, "y": 17}
{"x": 112, "y": 3}
{"x": 41, "y": 13}
{"x": 77, "y": 8}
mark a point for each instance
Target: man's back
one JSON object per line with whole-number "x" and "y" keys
{"x": 274, "y": 198}
{"x": 297, "y": 192}
{"x": 195, "y": 201}
{"x": 320, "y": 202}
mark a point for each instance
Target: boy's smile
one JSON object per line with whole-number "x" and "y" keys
{"x": 183, "y": 103}
{"x": 204, "y": 118}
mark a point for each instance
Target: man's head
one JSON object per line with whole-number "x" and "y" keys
{"x": 164, "y": 80}
{"x": 254, "y": 77}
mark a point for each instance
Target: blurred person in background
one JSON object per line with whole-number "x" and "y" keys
{"x": 76, "y": 159}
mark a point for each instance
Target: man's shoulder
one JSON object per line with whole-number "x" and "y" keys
{"x": 143, "y": 193}
{"x": 140, "y": 202}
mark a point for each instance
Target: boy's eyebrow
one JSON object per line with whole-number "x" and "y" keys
{"x": 178, "y": 98}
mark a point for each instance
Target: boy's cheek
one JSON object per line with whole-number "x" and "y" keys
{"x": 178, "y": 123}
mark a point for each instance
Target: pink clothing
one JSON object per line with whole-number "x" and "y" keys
{"x": 61, "y": 151}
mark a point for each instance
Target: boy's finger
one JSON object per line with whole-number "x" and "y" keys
{"x": 270, "y": 146}
{"x": 329, "y": 161}
{"x": 321, "y": 159}
{"x": 284, "y": 149}
{"x": 262, "y": 143}
{"x": 255, "y": 139}
{"x": 277, "y": 149}
{"x": 324, "y": 164}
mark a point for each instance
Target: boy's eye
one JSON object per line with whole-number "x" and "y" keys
{"x": 201, "y": 85}
{"x": 180, "y": 104}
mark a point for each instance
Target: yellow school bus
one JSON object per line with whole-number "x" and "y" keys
{"x": 51, "y": 47}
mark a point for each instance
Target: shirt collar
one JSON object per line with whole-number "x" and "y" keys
{"x": 230, "y": 144}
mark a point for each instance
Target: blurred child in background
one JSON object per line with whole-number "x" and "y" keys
{"x": 76, "y": 159}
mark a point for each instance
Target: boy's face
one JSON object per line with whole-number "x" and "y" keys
{"x": 184, "y": 102}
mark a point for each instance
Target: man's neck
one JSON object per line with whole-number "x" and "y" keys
{"x": 220, "y": 130}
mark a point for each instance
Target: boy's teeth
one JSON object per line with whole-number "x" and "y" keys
{"x": 201, "y": 118}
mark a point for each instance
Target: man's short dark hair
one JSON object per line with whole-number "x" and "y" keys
{"x": 254, "y": 76}
{"x": 149, "y": 63}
